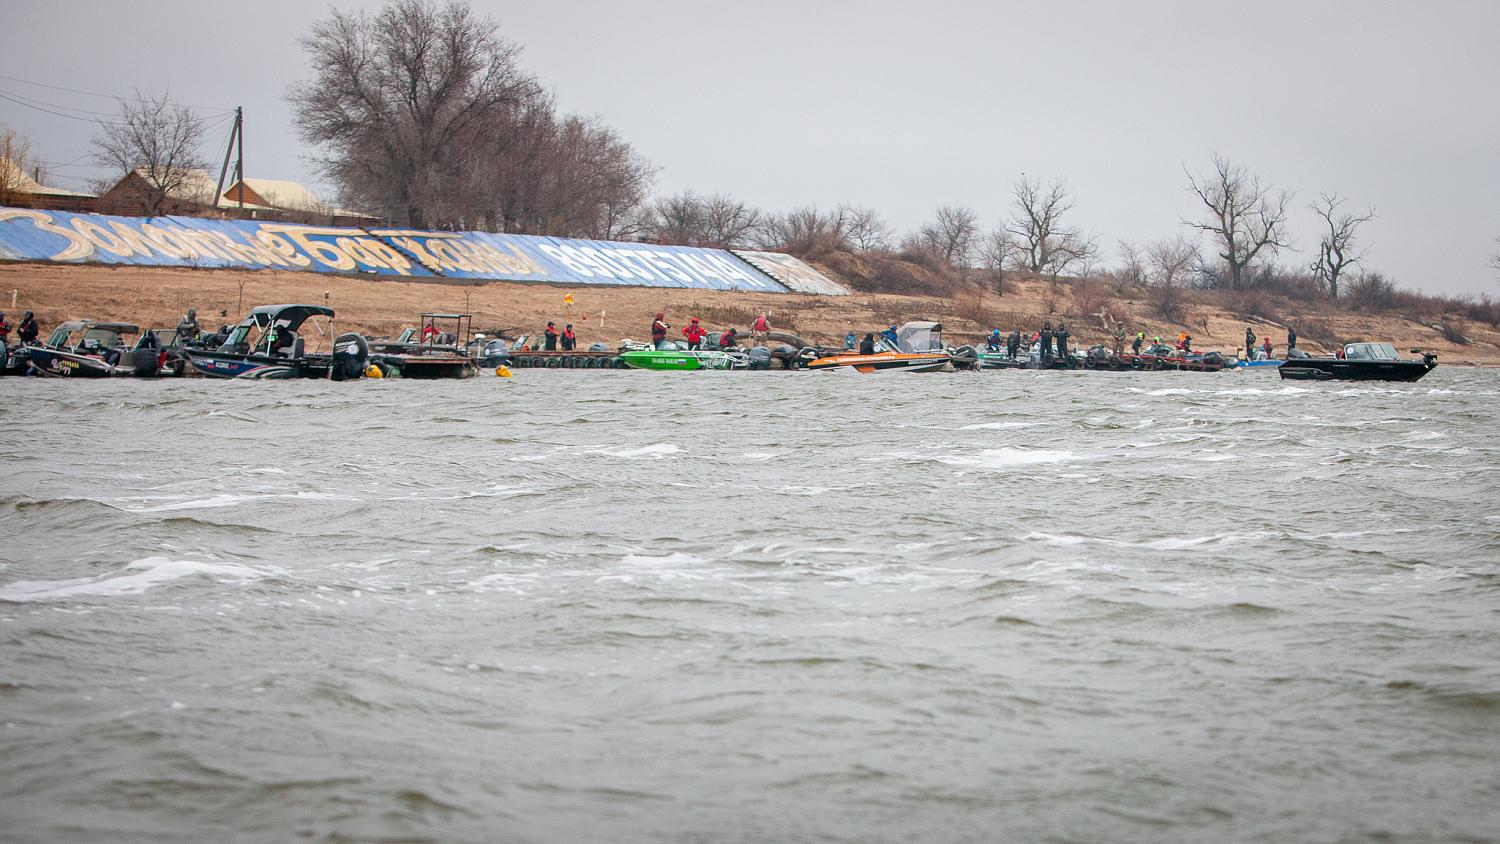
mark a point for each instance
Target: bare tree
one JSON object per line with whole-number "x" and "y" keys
{"x": 1169, "y": 262}
{"x": 808, "y": 232}
{"x": 1045, "y": 244}
{"x": 1132, "y": 271}
{"x": 997, "y": 253}
{"x": 868, "y": 231}
{"x": 157, "y": 138}
{"x": 951, "y": 236}
{"x": 727, "y": 222}
{"x": 397, "y": 98}
{"x": 1244, "y": 218}
{"x": 19, "y": 164}
{"x": 1336, "y": 248}
{"x": 676, "y": 219}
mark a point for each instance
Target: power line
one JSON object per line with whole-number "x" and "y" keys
{"x": 101, "y": 94}
{"x": 5, "y": 96}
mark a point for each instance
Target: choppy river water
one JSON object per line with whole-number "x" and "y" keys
{"x": 600, "y": 606}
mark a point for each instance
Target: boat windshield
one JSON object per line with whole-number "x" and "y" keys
{"x": 1371, "y": 351}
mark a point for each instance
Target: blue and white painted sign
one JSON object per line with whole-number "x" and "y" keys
{"x": 32, "y": 235}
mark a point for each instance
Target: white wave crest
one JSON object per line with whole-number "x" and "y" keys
{"x": 1009, "y": 458}
{"x": 135, "y": 578}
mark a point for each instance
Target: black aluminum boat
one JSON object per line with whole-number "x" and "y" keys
{"x": 1360, "y": 362}
{"x": 271, "y": 342}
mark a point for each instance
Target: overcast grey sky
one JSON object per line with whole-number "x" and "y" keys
{"x": 905, "y": 106}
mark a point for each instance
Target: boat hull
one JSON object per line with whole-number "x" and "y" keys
{"x": 661, "y": 360}
{"x": 881, "y": 363}
{"x": 1334, "y": 369}
{"x": 55, "y": 363}
{"x": 258, "y": 367}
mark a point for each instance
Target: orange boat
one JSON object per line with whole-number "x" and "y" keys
{"x": 919, "y": 348}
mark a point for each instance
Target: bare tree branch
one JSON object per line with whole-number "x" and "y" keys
{"x": 1246, "y": 221}
{"x": 1044, "y": 244}
{"x": 160, "y": 140}
{"x": 1336, "y": 247}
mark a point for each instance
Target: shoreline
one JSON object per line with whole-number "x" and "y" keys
{"x": 157, "y": 297}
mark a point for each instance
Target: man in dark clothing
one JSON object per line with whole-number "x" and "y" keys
{"x": 1045, "y": 338}
{"x": 550, "y": 338}
{"x": 1062, "y": 340}
{"x": 1013, "y": 343}
{"x": 28, "y": 330}
{"x": 867, "y": 345}
{"x": 1135, "y": 345}
{"x": 1249, "y": 344}
{"x": 659, "y": 331}
{"x": 569, "y": 339}
{"x": 1291, "y": 339}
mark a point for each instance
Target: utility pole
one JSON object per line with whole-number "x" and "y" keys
{"x": 236, "y": 133}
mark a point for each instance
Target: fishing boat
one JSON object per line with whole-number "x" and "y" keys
{"x": 85, "y": 348}
{"x": 1162, "y": 356}
{"x": 676, "y": 359}
{"x": 1361, "y": 362}
{"x": 429, "y": 353}
{"x": 271, "y": 343}
{"x": 918, "y": 348}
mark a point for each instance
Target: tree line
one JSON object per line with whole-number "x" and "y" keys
{"x": 422, "y": 113}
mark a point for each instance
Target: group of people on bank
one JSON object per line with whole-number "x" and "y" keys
{"x": 1049, "y": 342}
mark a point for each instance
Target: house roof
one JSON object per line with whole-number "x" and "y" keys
{"x": 287, "y": 195}
{"x": 22, "y": 183}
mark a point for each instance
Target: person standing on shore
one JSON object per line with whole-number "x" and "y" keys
{"x": 659, "y": 331}
{"x": 1291, "y": 338}
{"x": 569, "y": 339}
{"x": 550, "y": 338}
{"x": 760, "y": 330}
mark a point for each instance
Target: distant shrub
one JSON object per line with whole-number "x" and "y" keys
{"x": 1370, "y": 292}
{"x": 1452, "y": 331}
{"x": 1168, "y": 302}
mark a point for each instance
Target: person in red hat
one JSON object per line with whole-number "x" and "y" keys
{"x": 694, "y": 333}
{"x": 659, "y": 331}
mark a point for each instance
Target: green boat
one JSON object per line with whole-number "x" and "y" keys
{"x": 682, "y": 360}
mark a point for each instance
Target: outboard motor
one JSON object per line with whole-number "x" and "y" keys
{"x": 351, "y": 353}
{"x": 786, "y": 354}
{"x": 760, "y": 358}
{"x": 145, "y": 363}
{"x": 965, "y": 357}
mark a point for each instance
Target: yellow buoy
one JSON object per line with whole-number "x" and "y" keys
{"x": 503, "y": 371}
{"x": 373, "y": 371}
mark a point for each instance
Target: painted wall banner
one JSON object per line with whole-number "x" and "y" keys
{"x": 795, "y": 274}
{"x": 29, "y": 235}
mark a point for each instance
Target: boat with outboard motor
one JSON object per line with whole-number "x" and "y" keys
{"x": 86, "y": 348}
{"x": 270, "y": 343}
{"x": 430, "y": 352}
{"x": 918, "y": 348}
{"x": 1360, "y": 362}
{"x": 671, "y": 357}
